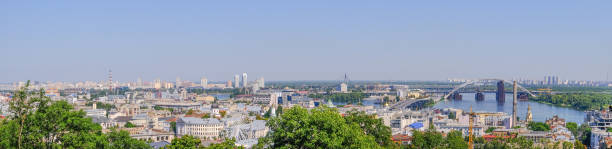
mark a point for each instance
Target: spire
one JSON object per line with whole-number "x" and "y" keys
{"x": 529, "y": 116}
{"x": 346, "y": 79}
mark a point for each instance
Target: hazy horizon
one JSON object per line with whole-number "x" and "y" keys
{"x": 313, "y": 40}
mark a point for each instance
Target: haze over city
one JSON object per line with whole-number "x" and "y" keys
{"x": 306, "y": 74}
{"x": 314, "y": 40}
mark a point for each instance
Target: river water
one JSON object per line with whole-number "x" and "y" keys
{"x": 540, "y": 111}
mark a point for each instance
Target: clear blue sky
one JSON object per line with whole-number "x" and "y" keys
{"x": 307, "y": 40}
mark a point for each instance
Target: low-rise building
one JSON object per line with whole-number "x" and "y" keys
{"x": 154, "y": 135}
{"x": 209, "y": 128}
{"x": 598, "y": 137}
{"x": 478, "y": 131}
{"x": 265, "y": 99}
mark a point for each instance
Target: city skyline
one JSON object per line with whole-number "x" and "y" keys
{"x": 304, "y": 41}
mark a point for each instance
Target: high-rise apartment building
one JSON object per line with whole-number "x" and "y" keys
{"x": 261, "y": 83}
{"x": 139, "y": 83}
{"x": 236, "y": 81}
{"x": 179, "y": 83}
{"x": 244, "y": 79}
{"x": 204, "y": 82}
{"x": 229, "y": 83}
{"x": 158, "y": 84}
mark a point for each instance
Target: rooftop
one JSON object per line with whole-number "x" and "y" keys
{"x": 192, "y": 120}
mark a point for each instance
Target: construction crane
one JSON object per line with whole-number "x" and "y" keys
{"x": 470, "y": 130}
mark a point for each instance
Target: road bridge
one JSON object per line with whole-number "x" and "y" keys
{"x": 485, "y": 80}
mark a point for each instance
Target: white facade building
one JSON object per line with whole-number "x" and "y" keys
{"x": 266, "y": 99}
{"x": 201, "y": 128}
{"x": 244, "y": 79}
{"x": 204, "y": 82}
{"x": 236, "y": 81}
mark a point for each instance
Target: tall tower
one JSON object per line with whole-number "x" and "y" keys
{"x": 514, "y": 101}
{"x": 236, "y": 81}
{"x": 110, "y": 80}
{"x": 244, "y": 79}
{"x": 346, "y": 79}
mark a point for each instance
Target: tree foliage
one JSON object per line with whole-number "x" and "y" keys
{"x": 184, "y": 142}
{"x": 452, "y": 115}
{"x": 371, "y": 125}
{"x": 430, "y": 139}
{"x": 122, "y": 140}
{"x": 354, "y": 97}
{"x": 580, "y": 101}
{"x": 538, "y": 126}
{"x": 129, "y": 125}
{"x": 318, "y": 128}
{"x": 38, "y": 122}
{"x": 190, "y": 142}
{"x": 572, "y": 127}
{"x": 454, "y": 140}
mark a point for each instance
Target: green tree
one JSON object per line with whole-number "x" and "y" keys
{"x": 538, "y": 126}
{"x": 185, "y": 142}
{"x": 222, "y": 113}
{"x": 584, "y": 134}
{"x": 372, "y": 126}
{"x": 429, "y": 139}
{"x": 568, "y": 145}
{"x": 318, "y": 128}
{"x": 173, "y": 127}
{"x": 579, "y": 145}
{"x": 490, "y": 129}
{"x": 205, "y": 116}
{"x": 189, "y": 112}
{"x": 454, "y": 140}
{"x": 227, "y": 144}
{"x": 268, "y": 113}
{"x": 41, "y": 123}
{"x": 158, "y": 108}
{"x": 452, "y": 115}
{"x": 573, "y": 127}
{"x": 122, "y": 140}
{"x": 129, "y": 125}
{"x": 279, "y": 110}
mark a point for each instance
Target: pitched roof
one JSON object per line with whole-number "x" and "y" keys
{"x": 160, "y": 144}
{"x": 192, "y": 120}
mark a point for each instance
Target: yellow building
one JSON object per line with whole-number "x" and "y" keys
{"x": 205, "y": 98}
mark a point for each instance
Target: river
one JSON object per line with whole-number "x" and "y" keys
{"x": 540, "y": 111}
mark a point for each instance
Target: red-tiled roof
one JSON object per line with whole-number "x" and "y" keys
{"x": 401, "y": 137}
{"x": 172, "y": 119}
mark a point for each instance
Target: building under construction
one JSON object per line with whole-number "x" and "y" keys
{"x": 455, "y": 96}
{"x": 479, "y": 96}
{"x": 500, "y": 96}
{"x": 523, "y": 96}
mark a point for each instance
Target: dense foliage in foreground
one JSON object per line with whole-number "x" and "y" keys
{"x": 579, "y": 101}
{"x": 38, "y": 122}
{"x": 325, "y": 128}
{"x": 430, "y": 139}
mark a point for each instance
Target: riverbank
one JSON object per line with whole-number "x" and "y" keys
{"x": 541, "y": 111}
{"x": 577, "y": 101}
